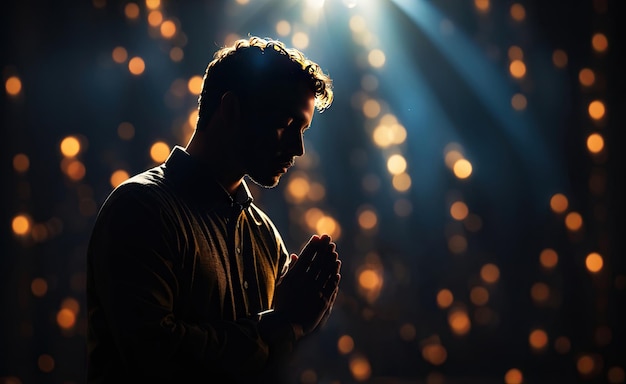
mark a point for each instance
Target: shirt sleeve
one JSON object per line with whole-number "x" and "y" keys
{"x": 134, "y": 296}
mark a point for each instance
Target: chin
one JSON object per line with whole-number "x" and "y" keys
{"x": 265, "y": 182}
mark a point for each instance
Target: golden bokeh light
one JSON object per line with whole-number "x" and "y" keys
{"x": 298, "y": 188}
{"x": 177, "y": 54}
{"x": 515, "y": 53}
{"x": 345, "y": 344}
{"x": 595, "y": 143}
{"x": 368, "y": 219}
{"x": 194, "y": 85}
{"x": 376, "y": 58}
{"x": 519, "y": 102}
{"x": 153, "y": 4}
{"x": 45, "y": 363}
{"x": 518, "y": 12}
{"x": 396, "y": 164}
{"x": 459, "y": 210}
{"x": 66, "y": 318}
{"x": 21, "y": 163}
{"x": 371, "y": 108}
{"x": 118, "y": 177}
{"x": 573, "y": 221}
{"x": 451, "y": 157}
{"x": 168, "y": 29}
{"x": 586, "y": 77}
{"x": 457, "y": 244}
{"x": 70, "y": 146}
{"x": 360, "y": 368}
{"x": 599, "y": 42}
{"x": 548, "y": 258}
{"x": 119, "y": 54}
{"x": 594, "y": 262}
{"x": 538, "y": 339}
{"x": 462, "y": 168}
{"x": 401, "y": 182}
{"x": 357, "y": 24}
{"x": 283, "y": 28}
{"x": 434, "y": 353}
{"x": 596, "y": 109}
{"x": 517, "y": 68}
{"x": 444, "y": 298}
{"x": 369, "y": 279}
{"x": 482, "y": 5}
{"x": 459, "y": 321}
{"x": 585, "y": 364}
{"x": 300, "y": 40}
{"x": 136, "y": 66}
{"x": 312, "y": 216}
{"x": 159, "y": 151}
{"x": 329, "y": 225}
{"x": 490, "y": 273}
{"x": 559, "y": 203}
{"x": 559, "y": 58}
{"x": 39, "y": 287}
{"x": 75, "y": 170}
{"x": 21, "y": 224}
{"x": 540, "y": 292}
{"x": 13, "y": 85}
{"x": 155, "y": 18}
{"x": 131, "y": 10}
{"x": 479, "y": 295}
{"x": 513, "y": 376}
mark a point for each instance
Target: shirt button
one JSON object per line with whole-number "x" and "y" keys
{"x": 245, "y": 284}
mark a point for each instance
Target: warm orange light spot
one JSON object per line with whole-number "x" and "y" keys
{"x": 312, "y": 216}
{"x": 595, "y": 143}
{"x": 562, "y": 344}
{"x": 558, "y": 203}
{"x": 540, "y": 292}
{"x": 371, "y": 108}
{"x": 518, "y": 13}
{"x": 168, "y": 29}
{"x": 459, "y": 210}
{"x": 155, "y": 18}
{"x": 585, "y": 364}
{"x": 70, "y": 146}
{"x": 462, "y": 168}
{"x": 396, "y": 164}
{"x": 21, "y": 163}
{"x": 39, "y": 287}
{"x": 457, "y": 244}
{"x": 513, "y": 376}
{"x": 126, "y": 131}
{"x": 118, "y": 177}
{"x": 13, "y": 85}
{"x": 538, "y": 339}
{"x": 119, "y": 54}
{"x": 452, "y": 155}
{"x": 599, "y": 42}
{"x": 368, "y": 219}
{"x": 177, "y": 54}
{"x": 596, "y": 109}
{"x": 194, "y": 85}
{"x": 444, "y": 298}
{"x": 479, "y": 295}
{"x": 586, "y": 77}
{"x": 515, "y": 53}
{"x": 517, "y": 68}
{"x": 548, "y": 258}
{"x": 136, "y": 65}
{"x": 594, "y": 262}
{"x": 153, "y": 4}
{"x": 131, "y": 10}
{"x": 298, "y": 188}
{"x": 435, "y": 354}
{"x": 401, "y": 182}
{"x": 300, "y": 40}
{"x": 360, "y": 368}
{"x": 66, "y": 318}
{"x": 159, "y": 151}
{"x": 459, "y": 321}
{"x": 519, "y": 102}
{"x": 21, "y": 225}
{"x": 327, "y": 224}
{"x": 376, "y": 58}
{"x": 283, "y": 28}
{"x": 490, "y": 273}
{"x": 559, "y": 58}
{"x": 75, "y": 170}
{"x": 345, "y": 344}
{"x": 45, "y": 363}
{"x": 369, "y": 279}
{"x": 573, "y": 221}
{"x": 482, "y": 5}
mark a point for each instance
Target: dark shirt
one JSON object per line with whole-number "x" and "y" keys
{"x": 177, "y": 273}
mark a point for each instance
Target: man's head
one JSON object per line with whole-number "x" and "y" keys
{"x": 265, "y": 94}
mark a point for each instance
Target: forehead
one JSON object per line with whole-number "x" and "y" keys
{"x": 290, "y": 98}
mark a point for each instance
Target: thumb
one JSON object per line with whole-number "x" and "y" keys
{"x": 293, "y": 260}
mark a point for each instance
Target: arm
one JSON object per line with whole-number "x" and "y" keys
{"x": 132, "y": 263}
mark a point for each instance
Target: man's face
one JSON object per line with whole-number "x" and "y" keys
{"x": 275, "y": 134}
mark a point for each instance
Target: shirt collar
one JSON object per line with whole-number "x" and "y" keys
{"x": 194, "y": 178}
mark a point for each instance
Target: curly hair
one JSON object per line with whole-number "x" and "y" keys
{"x": 253, "y": 68}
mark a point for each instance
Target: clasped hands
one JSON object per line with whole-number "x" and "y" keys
{"x": 307, "y": 292}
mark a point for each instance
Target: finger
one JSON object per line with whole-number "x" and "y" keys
{"x": 331, "y": 286}
{"x": 306, "y": 255}
{"x": 330, "y": 268}
{"x": 292, "y": 261}
{"x": 324, "y": 260}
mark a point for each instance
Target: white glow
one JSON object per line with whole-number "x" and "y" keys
{"x": 315, "y": 3}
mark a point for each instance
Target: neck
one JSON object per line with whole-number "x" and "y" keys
{"x": 217, "y": 158}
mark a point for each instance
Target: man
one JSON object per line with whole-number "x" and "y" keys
{"x": 187, "y": 279}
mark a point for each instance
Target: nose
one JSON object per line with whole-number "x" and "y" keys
{"x": 296, "y": 145}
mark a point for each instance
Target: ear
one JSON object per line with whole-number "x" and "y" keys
{"x": 230, "y": 109}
